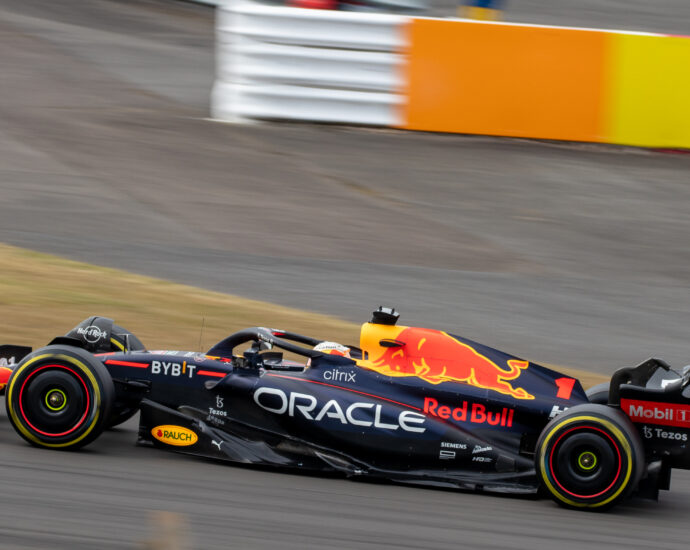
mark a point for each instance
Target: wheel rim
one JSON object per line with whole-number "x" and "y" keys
{"x": 586, "y": 462}
{"x": 54, "y": 400}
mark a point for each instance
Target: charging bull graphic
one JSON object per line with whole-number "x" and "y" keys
{"x": 4, "y": 377}
{"x": 436, "y": 357}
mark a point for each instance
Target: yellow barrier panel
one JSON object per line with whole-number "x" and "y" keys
{"x": 649, "y": 97}
{"x": 508, "y": 80}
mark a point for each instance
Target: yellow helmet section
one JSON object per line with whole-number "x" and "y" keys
{"x": 370, "y": 337}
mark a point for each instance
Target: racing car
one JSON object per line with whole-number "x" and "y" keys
{"x": 409, "y": 404}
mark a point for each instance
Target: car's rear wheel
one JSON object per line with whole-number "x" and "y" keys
{"x": 599, "y": 393}
{"x": 589, "y": 457}
{"x": 59, "y": 397}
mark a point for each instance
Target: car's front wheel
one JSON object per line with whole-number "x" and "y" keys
{"x": 59, "y": 397}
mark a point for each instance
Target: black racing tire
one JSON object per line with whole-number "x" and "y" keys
{"x": 599, "y": 393}
{"x": 59, "y": 397}
{"x": 589, "y": 457}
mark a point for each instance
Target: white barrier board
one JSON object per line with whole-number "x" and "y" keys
{"x": 276, "y": 62}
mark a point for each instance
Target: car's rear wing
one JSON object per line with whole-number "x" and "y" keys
{"x": 637, "y": 376}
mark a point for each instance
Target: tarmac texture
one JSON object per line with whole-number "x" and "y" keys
{"x": 564, "y": 253}
{"x": 662, "y": 16}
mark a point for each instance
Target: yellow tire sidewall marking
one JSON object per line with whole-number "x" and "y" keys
{"x": 615, "y": 431}
{"x": 117, "y": 344}
{"x": 72, "y": 361}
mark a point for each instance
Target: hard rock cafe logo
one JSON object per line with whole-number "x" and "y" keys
{"x": 92, "y": 334}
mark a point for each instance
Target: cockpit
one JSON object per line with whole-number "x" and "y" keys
{"x": 267, "y": 346}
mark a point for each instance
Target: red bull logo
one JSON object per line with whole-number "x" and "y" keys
{"x": 476, "y": 413}
{"x": 437, "y": 357}
{"x": 4, "y": 377}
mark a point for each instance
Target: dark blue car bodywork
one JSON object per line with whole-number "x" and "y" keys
{"x": 408, "y": 404}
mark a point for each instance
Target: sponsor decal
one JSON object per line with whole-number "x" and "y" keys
{"x": 215, "y": 420}
{"x": 172, "y": 369}
{"x": 660, "y": 433}
{"x": 304, "y": 405}
{"x": 482, "y": 459}
{"x": 216, "y": 416}
{"x": 216, "y": 443}
{"x": 92, "y": 334}
{"x": 476, "y": 413}
{"x": 337, "y": 375}
{"x": 174, "y": 435}
{"x": 450, "y": 445}
{"x": 651, "y": 412}
{"x": 556, "y": 410}
{"x": 446, "y": 455}
{"x": 4, "y": 362}
{"x": 479, "y": 449}
{"x": 436, "y": 357}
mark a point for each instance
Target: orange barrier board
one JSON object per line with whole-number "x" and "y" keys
{"x": 507, "y": 80}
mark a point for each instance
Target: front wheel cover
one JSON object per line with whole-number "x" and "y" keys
{"x": 59, "y": 397}
{"x": 589, "y": 458}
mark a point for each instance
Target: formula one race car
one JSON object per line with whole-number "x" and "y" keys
{"x": 410, "y": 404}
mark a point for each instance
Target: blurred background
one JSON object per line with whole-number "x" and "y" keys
{"x": 565, "y": 253}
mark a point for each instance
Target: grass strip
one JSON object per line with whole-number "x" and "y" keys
{"x": 42, "y": 296}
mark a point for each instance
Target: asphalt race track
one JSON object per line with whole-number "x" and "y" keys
{"x": 563, "y": 253}
{"x": 664, "y": 16}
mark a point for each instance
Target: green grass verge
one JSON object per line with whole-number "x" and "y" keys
{"x": 42, "y": 296}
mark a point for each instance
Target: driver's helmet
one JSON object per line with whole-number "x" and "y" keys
{"x": 333, "y": 348}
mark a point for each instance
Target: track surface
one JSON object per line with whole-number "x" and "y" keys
{"x": 665, "y": 16}
{"x": 562, "y": 253}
